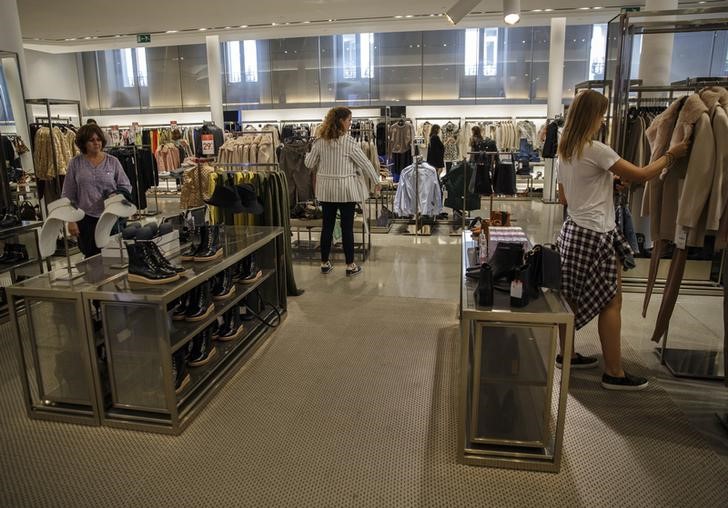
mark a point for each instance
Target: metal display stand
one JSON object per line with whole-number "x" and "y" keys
{"x": 118, "y": 371}
{"x": 512, "y": 399}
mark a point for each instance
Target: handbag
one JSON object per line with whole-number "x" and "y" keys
{"x": 27, "y": 211}
{"x": 544, "y": 266}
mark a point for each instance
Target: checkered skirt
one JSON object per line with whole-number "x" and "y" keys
{"x": 589, "y": 263}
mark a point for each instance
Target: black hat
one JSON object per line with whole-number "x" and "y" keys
{"x": 226, "y": 197}
{"x": 247, "y": 195}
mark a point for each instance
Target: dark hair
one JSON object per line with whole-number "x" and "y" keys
{"x": 477, "y": 136}
{"x": 91, "y": 121}
{"x": 86, "y": 132}
{"x": 435, "y": 130}
{"x": 333, "y": 126}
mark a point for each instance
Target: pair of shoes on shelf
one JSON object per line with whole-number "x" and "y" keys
{"x": 196, "y": 305}
{"x": 247, "y": 270}
{"x": 209, "y": 247}
{"x": 147, "y": 264}
{"x": 202, "y": 350}
{"x": 232, "y": 326}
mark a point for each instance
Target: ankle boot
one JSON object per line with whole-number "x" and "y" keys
{"x": 179, "y": 370}
{"x": 200, "y": 306}
{"x": 251, "y": 272}
{"x": 149, "y": 251}
{"x": 217, "y": 330}
{"x": 210, "y": 249}
{"x": 224, "y": 286}
{"x": 162, "y": 261}
{"x": 143, "y": 269}
{"x": 234, "y": 328}
{"x": 179, "y": 311}
{"x": 202, "y": 349}
{"x": 195, "y": 248}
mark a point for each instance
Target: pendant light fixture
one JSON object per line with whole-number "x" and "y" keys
{"x": 462, "y": 8}
{"x": 511, "y": 11}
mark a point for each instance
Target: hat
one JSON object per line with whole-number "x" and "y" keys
{"x": 64, "y": 209}
{"x": 114, "y": 207}
{"x": 249, "y": 199}
{"x": 227, "y": 198}
{"x": 48, "y": 236}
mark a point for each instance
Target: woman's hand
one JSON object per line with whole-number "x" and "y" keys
{"x": 73, "y": 229}
{"x": 681, "y": 150}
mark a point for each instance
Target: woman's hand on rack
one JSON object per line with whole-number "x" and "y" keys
{"x": 73, "y": 229}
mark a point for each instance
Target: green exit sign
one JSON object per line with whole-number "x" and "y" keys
{"x": 144, "y": 38}
{"x": 629, "y": 9}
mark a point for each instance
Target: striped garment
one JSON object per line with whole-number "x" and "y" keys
{"x": 589, "y": 268}
{"x": 341, "y": 168}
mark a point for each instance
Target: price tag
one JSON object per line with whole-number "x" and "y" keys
{"x": 115, "y": 135}
{"x": 208, "y": 144}
{"x": 517, "y": 289}
{"x": 506, "y": 159}
{"x": 681, "y": 238}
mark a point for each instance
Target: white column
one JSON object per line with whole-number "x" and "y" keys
{"x": 656, "y": 57}
{"x": 11, "y": 40}
{"x": 214, "y": 75}
{"x": 555, "y": 105}
{"x": 556, "y": 67}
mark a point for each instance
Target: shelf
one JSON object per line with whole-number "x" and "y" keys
{"x": 188, "y": 329}
{"x": 23, "y": 227}
{"x": 7, "y": 268}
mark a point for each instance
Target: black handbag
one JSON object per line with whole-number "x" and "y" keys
{"x": 484, "y": 291}
{"x": 544, "y": 265}
{"x": 507, "y": 256}
{"x": 27, "y": 211}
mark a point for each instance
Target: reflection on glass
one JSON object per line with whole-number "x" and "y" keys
{"x": 232, "y": 53}
{"x": 366, "y": 43}
{"x": 686, "y": 47}
{"x": 471, "y": 51}
{"x": 250, "y": 56}
{"x": 127, "y": 68}
{"x": 142, "y": 72}
{"x": 490, "y": 52}
{"x": 348, "y": 56}
{"x": 193, "y": 75}
{"x": 6, "y": 110}
{"x": 597, "y": 51}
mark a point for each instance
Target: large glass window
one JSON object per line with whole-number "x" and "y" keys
{"x": 348, "y": 56}
{"x": 597, "y": 51}
{"x": 141, "y": 63}
{"x": 490, "y": 52}
{"x": 250, "y": 56}
{"x": 6, "y": 109}
{"x": 366, "y": 51}
{"x": 472, "y": 42}
{"x": 127, "y": 68}
{"x": 235, "y": 69}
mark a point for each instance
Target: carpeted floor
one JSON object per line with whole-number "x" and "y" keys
{"x": 350, "y": 404}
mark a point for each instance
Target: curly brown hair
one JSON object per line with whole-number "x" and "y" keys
{"x": 86, "y": 132}
{"x": 333, "y": 126}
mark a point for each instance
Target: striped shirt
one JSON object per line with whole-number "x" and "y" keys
{"x": 341, "y": 168}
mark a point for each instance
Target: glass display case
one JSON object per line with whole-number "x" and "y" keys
{"x": 100, "y": 348}
{"x": 512, "y": 397}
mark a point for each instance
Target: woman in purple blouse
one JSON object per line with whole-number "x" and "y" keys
{"x": 90, "y": 176}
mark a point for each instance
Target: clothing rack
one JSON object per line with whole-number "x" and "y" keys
{"x": 492, "y": 156}
{"x": 140, "y": 211}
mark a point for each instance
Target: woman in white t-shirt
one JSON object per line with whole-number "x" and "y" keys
{"x": 592, "y": 248}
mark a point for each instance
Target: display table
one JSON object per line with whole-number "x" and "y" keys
{"x": 512, "y": 398}
{"x": 117, "y": 371}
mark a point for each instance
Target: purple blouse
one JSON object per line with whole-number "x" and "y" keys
{"x": 85, "y": 184}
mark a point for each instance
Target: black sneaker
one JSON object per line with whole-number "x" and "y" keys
{"x": 579, "y": 362}
{"x": 628, "y": 383}
{"x": 352, "y": 272}
{"x": 327, "y": 268}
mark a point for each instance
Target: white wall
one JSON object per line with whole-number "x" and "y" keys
{"x": 52, "y": 76}
{"x": 533, "y": 112}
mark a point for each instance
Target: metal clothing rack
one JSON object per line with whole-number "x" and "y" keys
{"x": 142, "y": 212}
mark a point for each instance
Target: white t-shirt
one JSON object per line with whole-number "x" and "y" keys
{"x": 588, "y": 185}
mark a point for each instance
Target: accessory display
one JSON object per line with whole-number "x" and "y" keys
{"x": 180, "y": 310}
{"x": 507, "y": 256}
{"x": 14, "y": 253}
{"x": 114, "y": 207}
{"x": 544, "y": 264}
{"x": 159, "y": 258}
{"x": 521, "y": 286}
{"x": 143, "y": 267}
{"x": 179, "y": 370}
{"x": 500, "y": 218}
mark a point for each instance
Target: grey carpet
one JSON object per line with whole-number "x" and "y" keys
{"x": 352, "y": 403}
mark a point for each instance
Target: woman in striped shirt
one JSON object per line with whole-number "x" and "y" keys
{"x": 341, "y": 173}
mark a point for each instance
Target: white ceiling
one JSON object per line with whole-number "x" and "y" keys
{"x": 109, "y": 23}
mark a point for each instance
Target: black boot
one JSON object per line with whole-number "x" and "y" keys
{"x": 507, "y": 257}
{"x": 233, "y": 328}
{"x": 195, "y": 248}
{"x": 202, "y": 349}
{"x": 220, "y": 328}
{"x": 484, "y": 291}
{"x": 180, "y": 310}
{"x": 143, "y": 269}
{"x": 161, "y": 260}
{"x": 148, "y": 247}
{"x": 210, "y": 249}
{"x": 200, "y": 306}
{"x": 251, "y": 272}
{"x": 224, "y": 286}
{"x": 179, "y": 370}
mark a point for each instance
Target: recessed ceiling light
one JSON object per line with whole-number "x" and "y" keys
{"x": 432, "y": 15}
{"x": 409, "y": 16}
{"x": 117, "y": 35}
{"x": 243, "y": 26}
{"x": 701, "y": 2}
{"x": 548, "y": 10}
{"x": 171, "y": 32}
{"x": 86, "y": 38}
{"x": 306, "y": 22}
{"x": 584, "y": 8}
{"x": 228, "y": 27}
{"x": 597, "y": 8}
{"x": 537, "y": 10}
{"x": 202, "y": 29}
{"x": 398, "y": 17}
{"x": 273, "y": 24}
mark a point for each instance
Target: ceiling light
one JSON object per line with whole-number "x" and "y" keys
{"x": 171, "y": 32}
{"x": 584, "y": 8}
{"x": 432, "y": 15}
{"x": 202, "y": 29}
{"x": 86, "y": 38}
{"x": 597, "y": 8}
{"x": 548, "y": 10}
{"x": 228, "y": 27}
{"x": 306, "y": 22}
{"x": 117, "y": 35}
{"x": 243, "y": 26}
{"x": 537, "y": 10}
{"x": 462, "y": 8}
{"x": 511, "y": 11}
{"x": 409, "y": 16}
{"x": 398, "y": 17}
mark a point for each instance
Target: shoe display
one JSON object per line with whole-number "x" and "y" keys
{"x": 144, "y": 269}
{"x": 200, "y": 304}
{"x": 159, "y": 258}
{"x": 179, "y": 371}
{"x": 223, "y": 286}
{"x": 628, "y": 383}
{"x": 250, "y": 270}
{"x": 210, "y": 248}
{"x": 202, "y": 350}
{"x": 578, "y": 362}
{"x": 233, "y": 328}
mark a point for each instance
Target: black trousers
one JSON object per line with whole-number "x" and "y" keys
{"x": 86, "y": 240}
{"x": 347, "y": 229}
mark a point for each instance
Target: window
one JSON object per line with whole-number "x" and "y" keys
{"x": 141, "y": 61}
{"x": 127, "y": 68}
{"x": 250, "y": 56}
{"x": 349, "y": 55}
{"x": 490, "y": 52}
{"x": 366, "y": 43}
{"x": 597, "y": 51}
{"x": 725, "y": 66}
{"x": 235, "y": 71}
{"x": 471, "y": 51}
